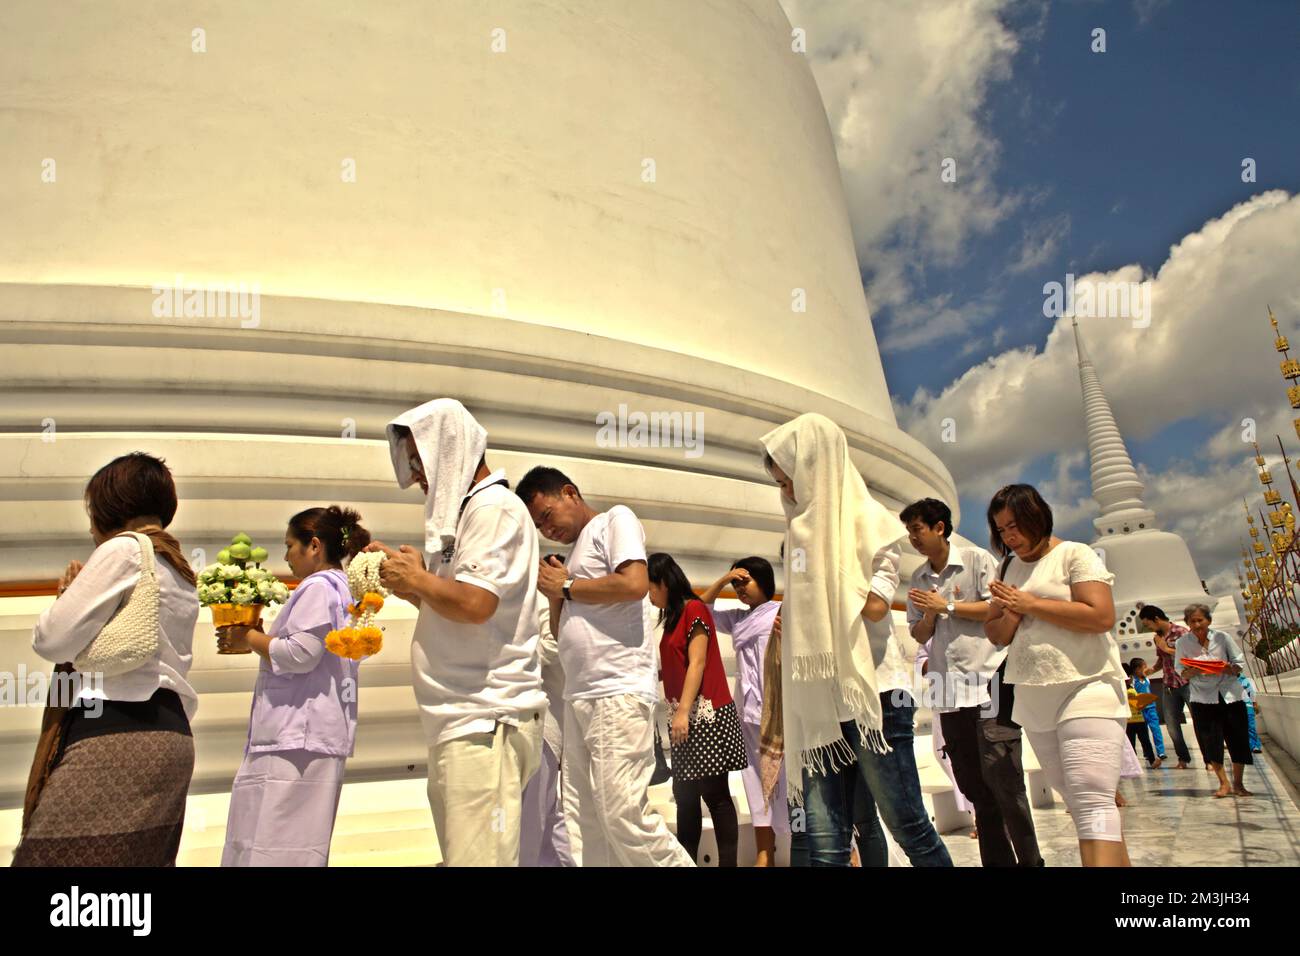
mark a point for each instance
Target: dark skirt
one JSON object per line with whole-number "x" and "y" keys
{"x": 117, "y": 797}
{"x": 712, "y": 747}
{"x": 1219, "y": 723}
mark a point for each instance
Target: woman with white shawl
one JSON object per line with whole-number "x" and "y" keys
{"x": 832, "y": 720}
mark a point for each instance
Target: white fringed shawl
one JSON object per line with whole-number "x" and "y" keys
{"x": 833, "y": 533}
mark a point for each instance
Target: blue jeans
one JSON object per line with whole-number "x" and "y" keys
{"x": 821, "y": 832}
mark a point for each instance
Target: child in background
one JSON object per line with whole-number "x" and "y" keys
{"x": 1137, "y": 723}
{"x": 1249, "y": 685}
{"x": 1142, "y": 684}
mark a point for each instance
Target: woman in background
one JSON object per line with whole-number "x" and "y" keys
{"x": 1218, "y": 701}
{"x": 304, "y": 718}
{"x": 750, "y": 626}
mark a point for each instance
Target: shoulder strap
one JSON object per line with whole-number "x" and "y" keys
{"x": 1002, "y": 571}
{"x": 146, "y": 551}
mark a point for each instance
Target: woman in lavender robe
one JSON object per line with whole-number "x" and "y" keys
{"x": 755, "y": 585}
{"x": 304, "y": 716}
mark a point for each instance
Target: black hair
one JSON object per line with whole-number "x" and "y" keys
{"x": 1128, "y": 667}
{"x": 339, "y": 531}
{"x": 1033, "y": 515}
{"x": 662, "y": 569}
{"x": 1150, "y": 612}
{"x": 543, "y": 481}
{"x": 1133, "y": 664}
{"x": 760, "y": 569}
{"x": 131, "y": 486}
{"x": 930, "y": 511}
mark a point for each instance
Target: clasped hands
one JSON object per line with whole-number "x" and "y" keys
{"x": 929, "y": 602}
{"x": 1011, "y": 599}
{"x": 551, "y": 575}
{"x": 400, "y": 570}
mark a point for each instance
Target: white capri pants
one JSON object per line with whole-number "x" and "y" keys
{"x": 1082, "y": 759}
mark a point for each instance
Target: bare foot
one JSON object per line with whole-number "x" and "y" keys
{"x": 1224, "y": 791}
{"x": 1157, "y": 762}
{"x": 1242, "y": 792}
{"x": 974, "y": 834}
{"x": 1181, "y": 765}
{"x": 1119, "y": 799}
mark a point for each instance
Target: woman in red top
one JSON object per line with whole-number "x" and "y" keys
{"x": 707, "y": 742}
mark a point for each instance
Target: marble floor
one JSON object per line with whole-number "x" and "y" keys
{"x": 1171, "y": 820}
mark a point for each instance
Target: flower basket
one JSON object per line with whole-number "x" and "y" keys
{"x": 237, "y": 589}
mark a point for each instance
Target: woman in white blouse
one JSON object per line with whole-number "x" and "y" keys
{"x": 1054, "y": 606}
{"x": 1218, "y": 701}
{"x": 115, "y": 795}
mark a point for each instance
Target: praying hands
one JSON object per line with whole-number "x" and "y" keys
{"x": 1010, "y": 598}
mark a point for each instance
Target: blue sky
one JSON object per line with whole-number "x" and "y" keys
{"x": 1089, "y": 162}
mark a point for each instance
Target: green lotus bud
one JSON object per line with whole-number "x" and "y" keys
{"x": 241, "y": 538}
{"x": 258, "y": 555}
{"x": 240, "y": 552}
{"x": 223, "y": 556}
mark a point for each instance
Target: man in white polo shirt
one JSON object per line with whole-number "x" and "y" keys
{"x": 611, "y": 685}
{"x": 474, "y": 652}
{"x": 947, "y": 605}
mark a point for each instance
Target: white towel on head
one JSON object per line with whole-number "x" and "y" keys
{"x": 450, "y": 444}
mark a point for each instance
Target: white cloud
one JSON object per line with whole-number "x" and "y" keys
{"x": 1040, "y": 241}
{"x": 1207, "y": 354}
{"x": 903, "y": 85}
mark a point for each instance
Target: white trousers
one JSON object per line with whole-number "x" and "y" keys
{"x": 1082, "y": 759}
{"x": 607, "y": 764}
{"x": 543, "y": 839}
{"x": 282, "y": 808}
{"x": 476, "y": 785}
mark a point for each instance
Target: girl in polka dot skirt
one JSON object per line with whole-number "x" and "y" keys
{"x": 707, "y": 742}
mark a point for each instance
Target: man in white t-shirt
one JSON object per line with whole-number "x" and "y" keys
{"x": 611, "y": 688}
{"x": 474, "y": 652}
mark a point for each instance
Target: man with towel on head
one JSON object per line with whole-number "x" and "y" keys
{"x": 475, "y": 649}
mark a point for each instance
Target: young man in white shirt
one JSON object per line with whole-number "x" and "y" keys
{"x": 890, "y": 783}
{"x": 474, "y": 653}
{"x": 611, "y": 687}
{"x": 947, "y": 605}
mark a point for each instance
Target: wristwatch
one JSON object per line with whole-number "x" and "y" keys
{"x": 952, "y": 609}
{"x": 568, "y": 584}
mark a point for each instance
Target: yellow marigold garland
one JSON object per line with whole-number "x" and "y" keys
{"x": 362, "y": 638}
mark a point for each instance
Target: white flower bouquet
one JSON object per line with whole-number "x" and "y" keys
{"x": 237, "y": 588}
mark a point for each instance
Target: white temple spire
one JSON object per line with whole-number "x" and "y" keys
{"x": 1116, "y": 486}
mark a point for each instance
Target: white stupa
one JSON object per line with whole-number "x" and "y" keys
{"x": 555, "y": 212}
{"x": 1150, "y": 566}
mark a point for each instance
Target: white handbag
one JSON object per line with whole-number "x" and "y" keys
{"x": 130, "y": 638}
